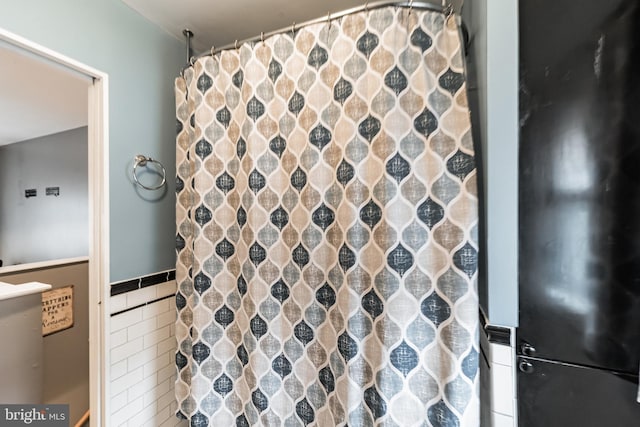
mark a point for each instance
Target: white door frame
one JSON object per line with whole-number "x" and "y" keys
{"x": 98, "y": 162}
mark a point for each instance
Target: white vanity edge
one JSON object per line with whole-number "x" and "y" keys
{"x": 42, "y": 264}
{"x": 9, "y": 291}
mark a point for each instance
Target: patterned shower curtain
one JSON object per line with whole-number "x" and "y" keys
{"x": 326, "y": 229}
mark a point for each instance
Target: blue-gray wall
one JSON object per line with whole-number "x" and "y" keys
{"x": 141, "y": 61}
{"x": 494, "y": 29}
{"x": 502, "y": 161}
{"x": 44, "y": 228}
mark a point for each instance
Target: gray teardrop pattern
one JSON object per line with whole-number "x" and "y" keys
{"x": 326, "y": 223}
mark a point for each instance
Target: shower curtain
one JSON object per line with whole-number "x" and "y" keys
{"x": 326, "y": 229}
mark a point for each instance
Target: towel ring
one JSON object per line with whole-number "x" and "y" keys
{"x": 141, "y": 160}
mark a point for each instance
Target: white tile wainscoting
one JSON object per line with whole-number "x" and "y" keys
{"x": 142, "y": 352}
{"x": 498, "y": 347}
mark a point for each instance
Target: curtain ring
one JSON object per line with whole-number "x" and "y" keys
{"x": 447, "y": 8}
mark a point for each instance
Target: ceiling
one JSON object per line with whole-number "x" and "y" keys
{"x": 38, "y": 97}
{"x": 218, "y": 23}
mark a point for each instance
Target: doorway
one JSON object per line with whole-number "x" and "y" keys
{"x": 95, "y": 254}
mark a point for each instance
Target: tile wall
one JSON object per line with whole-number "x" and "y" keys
{"x": 498, "y": 347}
{"x": 142, "y": 352}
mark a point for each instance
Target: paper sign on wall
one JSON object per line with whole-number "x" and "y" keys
{"x": 57, "y": 310}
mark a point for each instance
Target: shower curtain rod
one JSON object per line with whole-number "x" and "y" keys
{"x": 446, "y": 7}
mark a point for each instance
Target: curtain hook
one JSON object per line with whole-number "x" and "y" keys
{"x": 192, "y": 60}
{"x": 329, "y": 18}
{"x": 236, "y": 45}
{"x": 213, "y": 51}
{"x": 411, "y": 6}
{"x": 366, "y": 8}
{"x": 293, "y": 28}
{"x": 447, "y": 8}
{"x": 262, "y": 36}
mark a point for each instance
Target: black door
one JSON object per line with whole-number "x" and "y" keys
{"x": 579, "y": 183}
{"x": 556, "y": 395}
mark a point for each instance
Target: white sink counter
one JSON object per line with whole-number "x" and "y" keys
{"x": 9, "y": 291}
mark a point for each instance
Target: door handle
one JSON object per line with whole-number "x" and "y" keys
{"x": 526, "y": 367}
{"x": 528, "y": 350}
